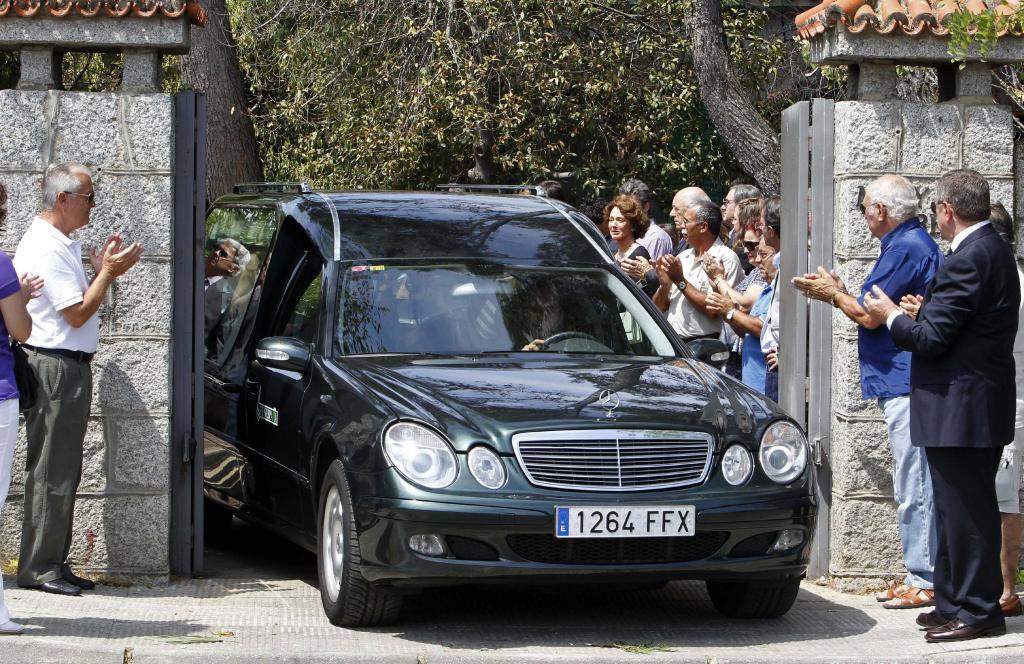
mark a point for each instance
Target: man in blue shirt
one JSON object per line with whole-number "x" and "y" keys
{"x": 907, "y": 262}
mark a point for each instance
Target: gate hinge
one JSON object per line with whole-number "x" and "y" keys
{"x": 190, "y": 450}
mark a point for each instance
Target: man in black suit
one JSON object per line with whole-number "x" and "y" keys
{"x": 962, "y": 402}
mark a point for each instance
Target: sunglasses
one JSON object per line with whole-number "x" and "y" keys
{"x": 91, "y": 195}
{"x": 751, "y": 246}
{"x": 221, "y": 253}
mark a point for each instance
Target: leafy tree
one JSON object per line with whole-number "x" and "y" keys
{"x": 409, "y": 93}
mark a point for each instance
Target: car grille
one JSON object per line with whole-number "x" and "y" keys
{"x": 614, "y": 460}
{"x": 640, "y": 550}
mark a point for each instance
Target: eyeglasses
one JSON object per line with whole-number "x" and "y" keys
{"x": 751, "y": 246}
{"x": 935, "y": 206}
{"x": 91, "y": 195}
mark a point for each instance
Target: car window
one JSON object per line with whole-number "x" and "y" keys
{"x": 238, "y": 241}
{"x": 480, "y": 308}
{"x": 304, "y": 320}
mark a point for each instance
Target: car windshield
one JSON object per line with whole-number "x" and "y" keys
{"x": 470, "y": 308}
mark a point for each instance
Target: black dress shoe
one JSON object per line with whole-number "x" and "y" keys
{"x": 58, "y": 587}
{"x": 84, "y": 584}
{"x": 930, "y": 620}
{"x": 958, "y": 630}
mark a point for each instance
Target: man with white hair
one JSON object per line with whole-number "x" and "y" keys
{"x": 65, "y": 334}
{"x": 908, "y": 260}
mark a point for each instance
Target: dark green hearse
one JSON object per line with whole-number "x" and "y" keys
{"x": 434, "y": 388}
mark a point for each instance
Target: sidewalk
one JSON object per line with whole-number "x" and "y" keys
{"x": 278, "y": 620}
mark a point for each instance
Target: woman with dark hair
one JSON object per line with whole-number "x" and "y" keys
{"x": 15, "y": 292}
{"x": 627, "y": 222}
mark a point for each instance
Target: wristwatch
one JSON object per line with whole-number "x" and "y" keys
{"x": 681, "y": 284}
{"x": 729, "y": 315}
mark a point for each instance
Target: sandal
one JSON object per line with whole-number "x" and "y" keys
{"x": 895, "y": 589}
{"x": 914, "y": 598}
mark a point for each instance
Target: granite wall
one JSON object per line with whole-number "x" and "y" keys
{"x": 919, "y": 141}
{"x": 122, "y": 514}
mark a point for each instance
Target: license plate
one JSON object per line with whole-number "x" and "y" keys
{"x": 648, "y": 521}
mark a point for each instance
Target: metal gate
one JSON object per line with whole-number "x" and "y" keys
{"x": 805, "y": 378}
{"x": 186, "y": 536}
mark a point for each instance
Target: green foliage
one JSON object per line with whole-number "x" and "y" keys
{"x": 967, "y": 30}
{"x": 393, "y": 93}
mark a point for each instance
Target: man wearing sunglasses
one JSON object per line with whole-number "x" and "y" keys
{"x": 226, "y": 260}
{"x": 65, "y": 334}
{"x": 906, "y": 264}
{"x": 962, "y": 402}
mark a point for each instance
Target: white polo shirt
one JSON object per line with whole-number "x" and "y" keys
{"x": 45, "y": 251}
{"x": 683, "y": 316}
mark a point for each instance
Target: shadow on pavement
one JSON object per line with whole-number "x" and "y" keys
{"x": 679, "y": 614}
{"x": 106, "y": 628}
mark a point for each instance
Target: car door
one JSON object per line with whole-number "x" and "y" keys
{"x": 230, "y": 305}
{"x": 276, "y": 401}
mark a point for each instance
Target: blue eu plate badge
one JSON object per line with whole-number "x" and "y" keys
{"x": 561, "y": 522}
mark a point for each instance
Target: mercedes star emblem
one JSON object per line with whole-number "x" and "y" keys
{"x": 609, "y": 401}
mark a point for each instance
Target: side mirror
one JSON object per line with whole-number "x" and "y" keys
{"x": 710, "y": 351}
{"x": 285, "y": 353}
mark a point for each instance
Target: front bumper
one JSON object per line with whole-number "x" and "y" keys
{"x": 523, "y": 546}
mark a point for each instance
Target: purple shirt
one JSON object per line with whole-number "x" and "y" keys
{"x": 9, "y": 285}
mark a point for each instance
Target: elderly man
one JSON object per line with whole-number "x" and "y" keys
{"x": 684, "y": 285}
{"x": 224, "y": 262}
{"x": 65, "y": 334}
{"x": 906, "y": 264}
{"x": 736, "y": 195}
{"x": 962, "y": 402}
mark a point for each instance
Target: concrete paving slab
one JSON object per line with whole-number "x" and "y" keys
{"x": 280, "y": 620}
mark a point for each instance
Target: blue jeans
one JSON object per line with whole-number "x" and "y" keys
{"x": 912, "y": 488}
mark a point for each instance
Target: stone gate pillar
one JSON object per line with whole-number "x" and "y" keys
{"x": 875, "y": 134}
{"x": 127, "y": 137}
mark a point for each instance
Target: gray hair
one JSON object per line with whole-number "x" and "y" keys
{"x": 61, "y": 178}
{"x": 967, "y": 192}
{"x": 897, "y": 195}
{"x": 638, "y": 189}
{"x": 742, "y": 192}
{"x": 242, "y": 255}
{"x": 692, "y": 196}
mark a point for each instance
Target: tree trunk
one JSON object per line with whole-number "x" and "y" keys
{"x": 751, "y": 140}
{"x": 212, "y": 67}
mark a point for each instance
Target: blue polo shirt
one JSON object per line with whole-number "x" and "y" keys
{"x": 907, "y": 264}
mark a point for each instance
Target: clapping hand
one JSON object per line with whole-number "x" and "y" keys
{"x": 113, "y": 243}
{"x": 911, "y": 305}
{"x": 878, "y": 305}
{"x": 718, "y": 304}
{"x": 635, "y": 267}
{"x": 116, "y": 260}
{"x": 713, "y": 267}
{"x": 670, "y": 270}
{"x": 31, "y": 286}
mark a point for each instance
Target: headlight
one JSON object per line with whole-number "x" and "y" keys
{"x": 737, "y": 465}
{"x": 486, "y": 467}
{"x": 420, "y": 455}
{"x": 783, "y": 452}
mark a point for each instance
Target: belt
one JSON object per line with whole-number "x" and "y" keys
{"x": 77, "y": 355}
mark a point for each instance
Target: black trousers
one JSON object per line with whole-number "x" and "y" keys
{"x": 968, "y": 580}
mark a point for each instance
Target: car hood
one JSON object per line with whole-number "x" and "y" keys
{"x": 488, "y": 398}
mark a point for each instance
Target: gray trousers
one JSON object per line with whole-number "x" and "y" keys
{"x": 56, "y": 432}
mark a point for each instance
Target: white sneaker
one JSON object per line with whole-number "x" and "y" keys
{"x": 11, "y": 627}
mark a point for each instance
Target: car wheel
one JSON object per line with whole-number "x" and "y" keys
{"x": 760, "y": 599}
{"x": 349, "y": 600}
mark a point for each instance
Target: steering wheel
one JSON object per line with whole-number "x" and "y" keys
{"x": 566, "y": 336}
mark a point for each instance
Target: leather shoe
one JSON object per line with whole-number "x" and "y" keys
{"x": 930, "y": 620}
{"x": 958, "y": 630}
{"x": 73, "y": 579}
{"x": 58, "y": 587}
{"x": 1012, "y": 607}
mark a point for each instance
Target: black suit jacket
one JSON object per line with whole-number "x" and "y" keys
{"x": 962, "y": 390}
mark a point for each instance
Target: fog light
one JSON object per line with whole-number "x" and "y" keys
{"x": 427, "y": 545}
{"x": 787, "y": 541}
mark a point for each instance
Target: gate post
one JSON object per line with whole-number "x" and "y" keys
{"x": 122, "y": 518}
{"x": 877, "y": 133}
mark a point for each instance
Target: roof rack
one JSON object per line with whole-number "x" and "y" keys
{"x": 455, "y": 187}
{"x": 273, "y": 188}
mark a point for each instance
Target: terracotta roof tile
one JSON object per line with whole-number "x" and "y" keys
{"x": 112, "y": 8}
{"x": 909, "y": 17}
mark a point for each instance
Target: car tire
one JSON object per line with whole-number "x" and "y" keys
{"x": 349, "y": 600}
{"x": 753, "y": 599}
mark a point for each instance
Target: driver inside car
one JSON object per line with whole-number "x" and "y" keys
{"x": 542, "y": 314}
